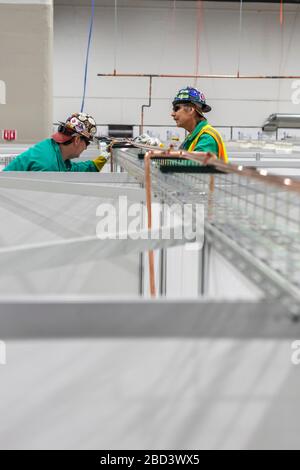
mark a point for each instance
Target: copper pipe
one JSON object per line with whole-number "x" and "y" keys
{"x": 151, "y": 76}
{"x": 111, "y": 161}
{"x": 281, "y": 12}
{"x": 237, "y": 76}
{"x": 110, "y": 149}
{"x": 146, "y": 105}
{"x": 149, "y": 214}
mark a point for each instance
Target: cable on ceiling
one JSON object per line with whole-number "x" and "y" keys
{"x": 240, "y": 38}
{"x": 88, "y": 53}
{"x": 116, "y": 35}
{"x": 198, "y": 35}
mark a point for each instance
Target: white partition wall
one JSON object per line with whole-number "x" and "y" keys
{"x": 26, "y": 37}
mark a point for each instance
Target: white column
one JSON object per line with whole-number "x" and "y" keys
{"x": 26, "y": 38}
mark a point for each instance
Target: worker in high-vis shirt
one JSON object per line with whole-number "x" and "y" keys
{"x": 188, "y": 107}
{"x": 56, "y": 153}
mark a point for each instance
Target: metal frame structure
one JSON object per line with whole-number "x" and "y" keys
{"x": 75, "y": 246}
{"x": 252, "y": 218}
{"x": 267, "y": 252}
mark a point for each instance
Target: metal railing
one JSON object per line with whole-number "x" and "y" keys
{"x": 252, "y": 218}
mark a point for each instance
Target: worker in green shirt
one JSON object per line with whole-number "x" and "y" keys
{"x": 57, "y": 153}
{"x": 188, "y": 107}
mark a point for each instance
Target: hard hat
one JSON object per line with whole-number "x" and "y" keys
{"x": 77, "y": 124}
{"x": 192, "y": 95}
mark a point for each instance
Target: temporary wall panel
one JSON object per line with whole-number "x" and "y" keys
{"x": 26, "y": 39}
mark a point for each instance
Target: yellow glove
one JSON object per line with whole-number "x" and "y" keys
{"x": 100, "y": 162}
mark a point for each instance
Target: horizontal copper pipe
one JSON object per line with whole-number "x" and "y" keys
{"x": 237, "y": 76}
{"x": 151, "y": 76}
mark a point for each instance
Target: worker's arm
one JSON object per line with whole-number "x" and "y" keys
{"x": 34, "y": 159}
{"x": 91, "y": 165}
{"x": 19, "y": 163}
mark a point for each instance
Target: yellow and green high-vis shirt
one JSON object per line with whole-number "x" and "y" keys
{"x": 205, "y": 138}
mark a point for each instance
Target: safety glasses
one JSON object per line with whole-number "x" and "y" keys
{"x": 177, "y": 107}
{"x": 64, "y": 130}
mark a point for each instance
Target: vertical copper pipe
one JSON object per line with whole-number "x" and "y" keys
{"x": 110, "y": 149}
{"x": 281, "y": 12}
{"x": 146, "y": 105}
{"x": 152, "y": 275}
{"x": 149, "y": 211}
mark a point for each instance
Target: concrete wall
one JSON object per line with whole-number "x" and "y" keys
{"x": 153, "y": 37}
{"x": 26, "y": 38}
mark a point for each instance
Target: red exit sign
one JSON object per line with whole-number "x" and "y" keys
{"x": 9, "y": 134}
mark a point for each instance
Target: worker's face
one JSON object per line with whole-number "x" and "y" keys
{"x": 79, "y": 145}
{"x": 182, "y": 115}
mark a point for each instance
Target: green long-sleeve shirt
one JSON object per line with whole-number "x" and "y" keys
{"x": 46, "y": 156}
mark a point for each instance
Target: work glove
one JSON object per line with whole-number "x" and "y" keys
{"x": 147, "y": 140}
{"x": 104, "y": 155}
{"x": 100, "y": 161}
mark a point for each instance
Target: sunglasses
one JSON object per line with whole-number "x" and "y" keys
{"x": 177, "y": 107}
{"x": 63, "y": 130}
{"x": 71, "y": 133}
